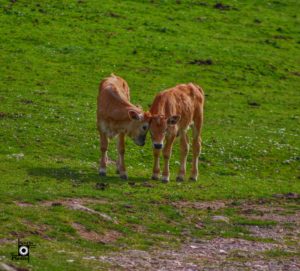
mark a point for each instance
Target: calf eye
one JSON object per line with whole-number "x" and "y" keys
{"x": 145, "y": 127}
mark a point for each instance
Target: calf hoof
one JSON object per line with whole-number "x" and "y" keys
{"x": 117, "y": 171}
{"x": 155, "y": 177}
{"x": 102, "y": 172}
{"x": 193, "y": 179}
{"x": 124, "y": 177}
{"x": 165, "y": 179}
{"x": 179, "y": 179}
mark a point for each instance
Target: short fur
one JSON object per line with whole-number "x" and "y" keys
{"x": 173, "y": 111}
{"x": 116, "y": 116}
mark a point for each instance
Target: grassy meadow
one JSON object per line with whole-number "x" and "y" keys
{"x": 53, "y": 54}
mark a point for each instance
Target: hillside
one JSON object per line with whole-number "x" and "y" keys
{"x": 245, "y": 55}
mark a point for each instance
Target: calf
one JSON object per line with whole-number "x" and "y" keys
{"x": 116, "y": 116}
{"x": 172, "y": 112}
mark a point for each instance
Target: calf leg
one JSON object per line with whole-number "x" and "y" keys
{"x": 156, "y": 169}
{"x": 184, "y": 149}
{"x": 103, "y": 149}
{"x": 121, "y": 153}
{"x": 167, "y": 154}
{"x": 196, "y": 147}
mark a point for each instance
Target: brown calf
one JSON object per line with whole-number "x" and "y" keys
{"x": 173, "y": 111}
{"x": 116, "y": 116}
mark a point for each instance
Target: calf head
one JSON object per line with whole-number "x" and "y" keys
{"x": 159, "y": 127}
{"x": 138, "y": 127}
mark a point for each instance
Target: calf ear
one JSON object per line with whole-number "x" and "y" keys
{"x": 133, "y": 115}
{"x": 173, "y": 119}
{"x": 147, "y": 116}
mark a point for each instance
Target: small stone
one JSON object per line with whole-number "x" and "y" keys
{"x": 17, "y": 156}
{"x": 220, "y": 218}
{"x": 56, "y": 204}
{"x": 199, "y": 225}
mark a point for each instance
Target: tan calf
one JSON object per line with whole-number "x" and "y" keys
{"x": 173, "y": 111}
{"x": 116, "y": 116}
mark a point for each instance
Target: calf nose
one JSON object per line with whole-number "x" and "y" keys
{"x": 158, "y": 146}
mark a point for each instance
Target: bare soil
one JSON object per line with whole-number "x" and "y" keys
{"x": 226, "y": 253}
{"x": 108, "y": 237}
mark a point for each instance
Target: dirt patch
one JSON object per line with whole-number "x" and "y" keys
{"x": 202, "y": 205}
{"x": 279, "y": 233}
{"x": 26, "y": 101}
{"x": 37, "y": 229}
{"x": 111, "y": 236}
{"x": 3, "y": 115}
{"x": 115, "y": 15}
{"x": 6, "y": 241}
{"x": 137, "y": 228}
{"x": 281, "y": 37}
{"x": 77, "y": 204}
{"x": 273, "y": 211}
{"x": 201, "y": 62}
{"x": 106, "y": 238}
{"x": 147, "y": 184}
{"x": 64, "y": 201}
{"x": 23, "y": 204}
{"x": 287, "y": 230}
{"x": 101, "y": 186}
{"x": 293, "y": 218}
{"x": 259, "y": 210}
{"x": 40, "y": 92}
{"x": 10, "y": 267}
{"x": 227, "y": 253}
{"x": 287, "y": 196}
{"x": 72, "y": 201}
{"x": 215, "y": 254}
{"x": 11, "y": 115}
{"x": 253, "y": 103}
{"x": 295, "y": 73}
{"x": 86, "y": 234}
{"x": 17, "y": 235}
{"x": 221, "y": 6}
{"x": 32, "y": 229}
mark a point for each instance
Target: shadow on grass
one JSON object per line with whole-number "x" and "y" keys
{"x": 79, "y": 176}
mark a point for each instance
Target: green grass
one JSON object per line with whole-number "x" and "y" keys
{"x": 276, "y": 253}
{"x": 53, "y": 55}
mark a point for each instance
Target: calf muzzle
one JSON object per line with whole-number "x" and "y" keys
{"x": 158, "y": 146}
{"x": 140, "y": 141}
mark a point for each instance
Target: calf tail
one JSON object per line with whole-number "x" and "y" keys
{"x": 202, "y": 95}
{"x": 200, "y": 89}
